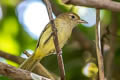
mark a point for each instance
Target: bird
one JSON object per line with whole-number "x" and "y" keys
{"x": 65, "y": 23}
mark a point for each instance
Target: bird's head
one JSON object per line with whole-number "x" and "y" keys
{"x": 72, "y": 18}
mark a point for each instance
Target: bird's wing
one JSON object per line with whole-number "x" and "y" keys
{"x": 49, "y": 36}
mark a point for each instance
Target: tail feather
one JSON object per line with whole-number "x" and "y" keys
{"x": 29, "y": 63}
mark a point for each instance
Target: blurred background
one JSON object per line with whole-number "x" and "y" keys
{"x": 22, "y": 21}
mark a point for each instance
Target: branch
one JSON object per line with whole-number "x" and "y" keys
{"x": 39, "y": 69}
{"x": 55, "y": 39}
{"x": 98, "y": 46}
{"x": 102, "y": 4}
{"x": 16, "y": 59}
{"x": 18, "y": 74}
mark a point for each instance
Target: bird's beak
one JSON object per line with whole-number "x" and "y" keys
{"x": 82, "y": 21}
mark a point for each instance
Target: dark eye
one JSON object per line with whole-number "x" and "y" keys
{"x": 73, "y": 17}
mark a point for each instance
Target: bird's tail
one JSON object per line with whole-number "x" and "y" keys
{"x": 29, "y": 63}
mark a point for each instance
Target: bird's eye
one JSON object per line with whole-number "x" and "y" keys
{"x": 73, "y": 16}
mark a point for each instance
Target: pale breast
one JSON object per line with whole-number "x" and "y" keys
{"x": 64, "y": 32}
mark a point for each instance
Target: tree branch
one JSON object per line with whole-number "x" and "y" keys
{"x": 55, "y": 39}
{"x": 8, "y": 56}
{"x": 98, "y": 46}
{"x": 39, "y": 69}
{"x": 18, "y": 74}
{"x": 102, "y": 4}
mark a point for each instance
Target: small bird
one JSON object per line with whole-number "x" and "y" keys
{"x": 64, "y": 23}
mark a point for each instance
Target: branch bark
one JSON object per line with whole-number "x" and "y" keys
{"x": 39, "y": 69}
{"x": 8, "y": 56}
{"x": 18, "y": 74}
{"x": 55, "y": 39}
{"x": 98, "y": 46}
{"x": 101, "y": 4}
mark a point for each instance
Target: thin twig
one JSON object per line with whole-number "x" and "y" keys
{"x": 101, "y": 4}
{"x": 26, "y": 53}
{"x": 56, "y": 43}
{"x": 98, "y": 46}
{"x": 18, "y": 74}
{"x": 13, "y": 58}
